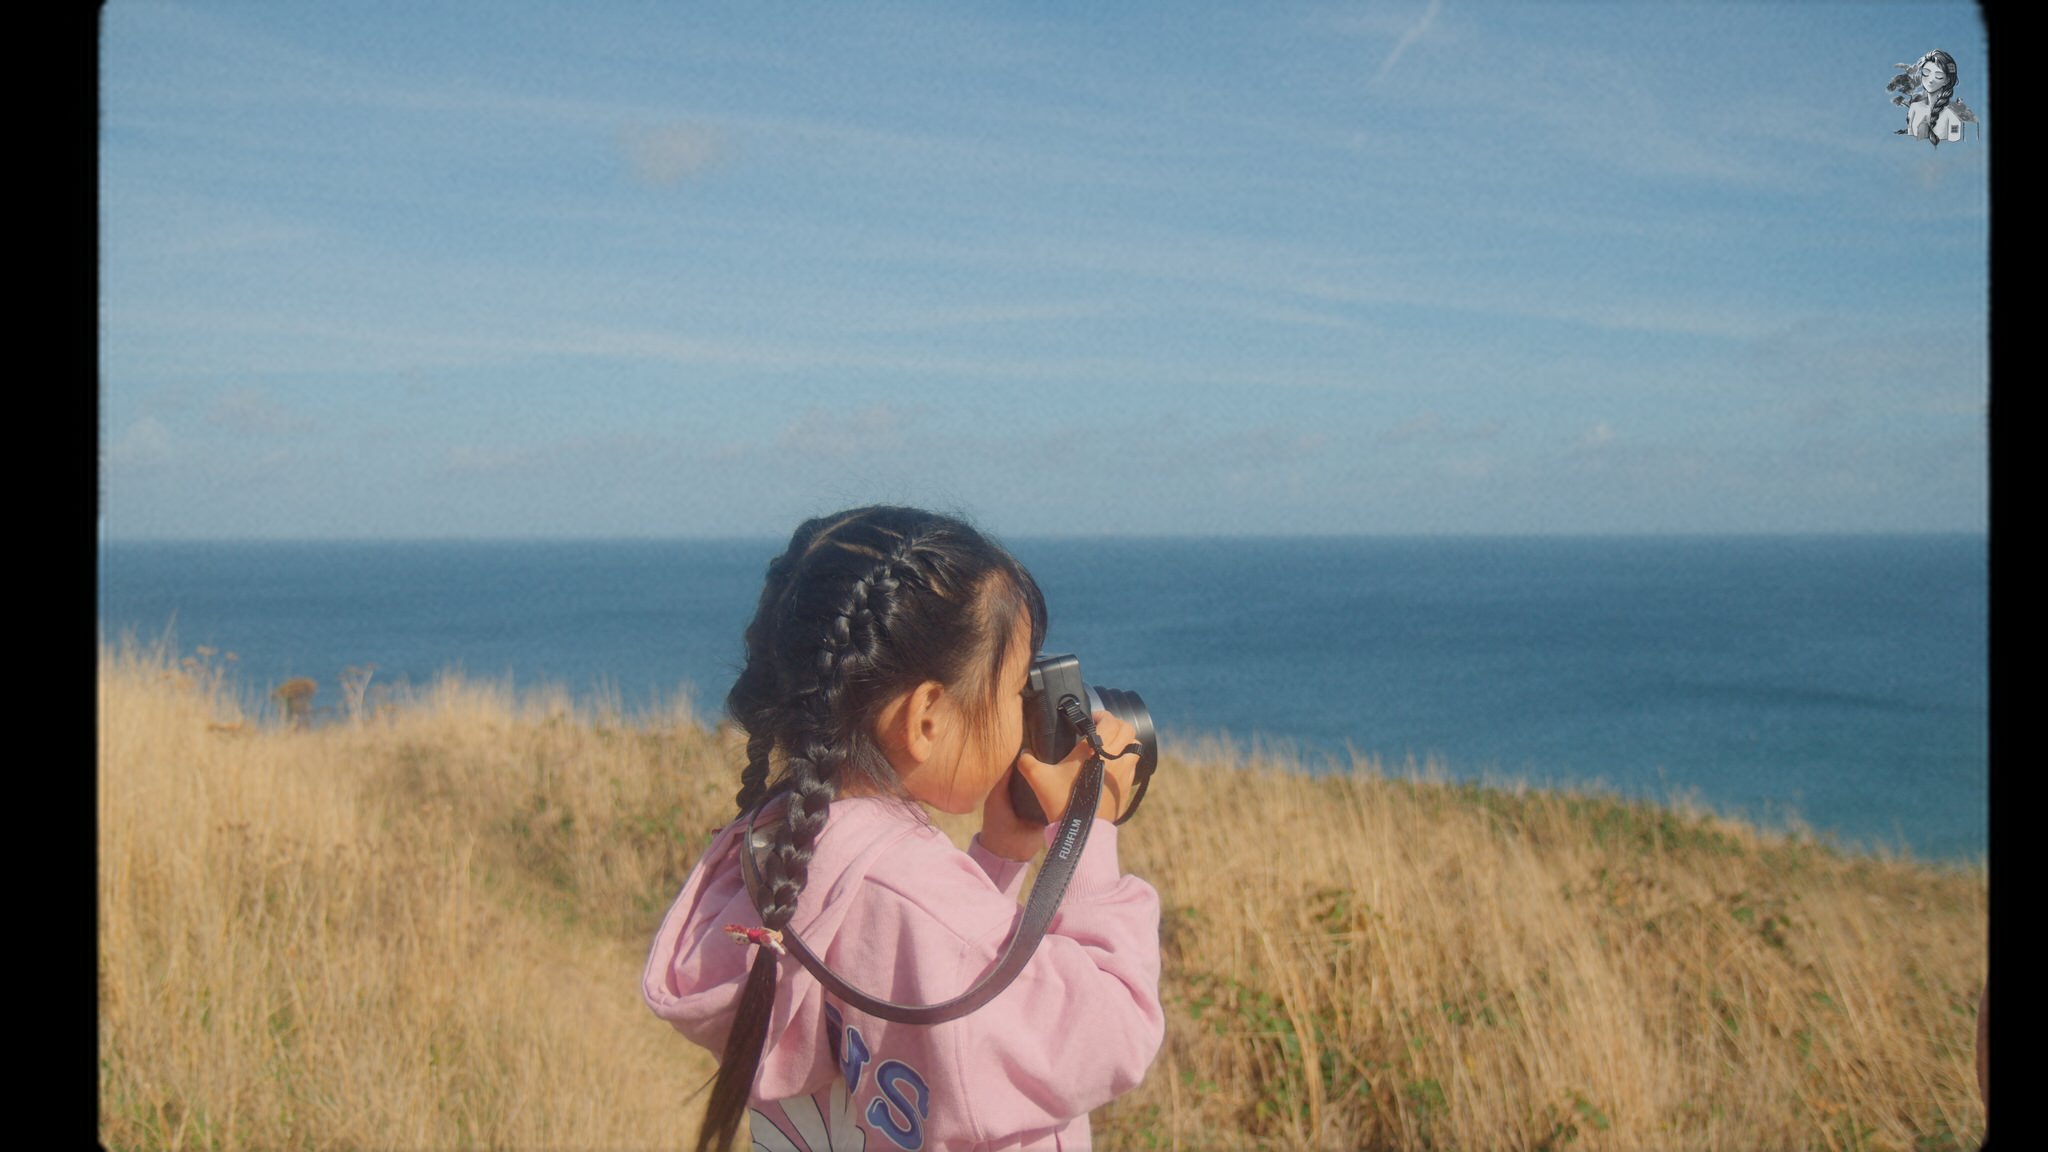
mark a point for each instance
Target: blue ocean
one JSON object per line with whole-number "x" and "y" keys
{"x": 1841, "y": 680}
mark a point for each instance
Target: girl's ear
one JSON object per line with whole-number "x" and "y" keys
{"x": 911, "y": 726}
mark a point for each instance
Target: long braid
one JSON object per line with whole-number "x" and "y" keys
{"x": 820, "y": 744}
{"x": 749, "y": 703}
{"x": 815, "y": 757}
{"x": 754, "y": 778}
{"x": 785, "y": 867}
{"x": 755, "y": 695}
{"x": 860, "y": 606}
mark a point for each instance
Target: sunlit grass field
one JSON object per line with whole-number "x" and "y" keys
{"x": 422, "y": 926}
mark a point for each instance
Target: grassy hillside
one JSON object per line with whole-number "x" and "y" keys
{"x": 425, "y": 930}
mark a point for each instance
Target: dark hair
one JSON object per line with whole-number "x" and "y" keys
{"x": 861, "y": 607}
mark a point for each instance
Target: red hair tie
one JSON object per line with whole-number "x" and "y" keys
{"x": 769, "y": 937}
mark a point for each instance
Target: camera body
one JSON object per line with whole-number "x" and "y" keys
{"x": 1050, "y": 736}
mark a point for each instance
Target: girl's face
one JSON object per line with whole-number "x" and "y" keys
{"x": 972, "y": 759}
{"x": 1933, "y": 75}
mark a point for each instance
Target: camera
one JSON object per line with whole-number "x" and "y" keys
{"x": 1051, "y": 736}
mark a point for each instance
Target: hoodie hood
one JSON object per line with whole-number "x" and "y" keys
{"x": 695, "y": 973}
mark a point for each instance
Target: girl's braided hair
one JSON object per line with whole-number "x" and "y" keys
{"x": 862, "y": 606}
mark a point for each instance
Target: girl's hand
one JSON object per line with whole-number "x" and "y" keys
{"x": 1008, "y": 835}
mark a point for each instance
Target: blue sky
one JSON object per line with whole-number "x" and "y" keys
{"x": 639, "y": 269}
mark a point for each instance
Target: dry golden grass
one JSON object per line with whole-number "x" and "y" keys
{"x": 1364, "y": 962}
{"x": 365, "y": 937}
{"x": 425, "y": 930}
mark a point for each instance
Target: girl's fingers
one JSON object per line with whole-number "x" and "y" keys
{"x": 1053, "y": 783}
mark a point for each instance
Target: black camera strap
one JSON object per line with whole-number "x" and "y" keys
{"x": 1046, "y": 892}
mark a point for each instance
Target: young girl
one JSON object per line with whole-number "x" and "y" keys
{"x": 886, "y": 666}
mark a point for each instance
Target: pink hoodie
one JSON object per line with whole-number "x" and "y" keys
{"x": 897, "y": 911}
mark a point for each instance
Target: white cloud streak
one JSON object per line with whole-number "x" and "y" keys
{"x": 1407, "y": 38}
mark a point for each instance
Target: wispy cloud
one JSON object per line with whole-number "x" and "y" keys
{"x": 255, "y": 412}
{"x": 475, "y": 459}
{"x": 1595, "y": 308}
{"x": 1596, "y": 437}
{"x": 823, "y": 434}
{"x": 568, "y": 455}
{"x": 1468, "y": 466}
{"x": 908, "y": 318}
{"x": 1267, "y": 444}
{"x": 1428, "y": 427}
{"x": 666, "y": 155}
{"x": 1409, "y": 37}
{"x": 145, "y": 444}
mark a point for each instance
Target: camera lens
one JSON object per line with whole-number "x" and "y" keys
{"x": 1127, "y": 707}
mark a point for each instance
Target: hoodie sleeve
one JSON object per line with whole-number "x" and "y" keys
{"x": 1082, "y": 1023}
{"x": 1005, "y": 873}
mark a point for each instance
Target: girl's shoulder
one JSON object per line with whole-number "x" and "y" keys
{"x": 884, "y": 839}
{"x": 869, "y": 834}
{"x": 884, "y": 860}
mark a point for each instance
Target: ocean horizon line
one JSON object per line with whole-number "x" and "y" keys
{"x": 1850, "y": 668}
